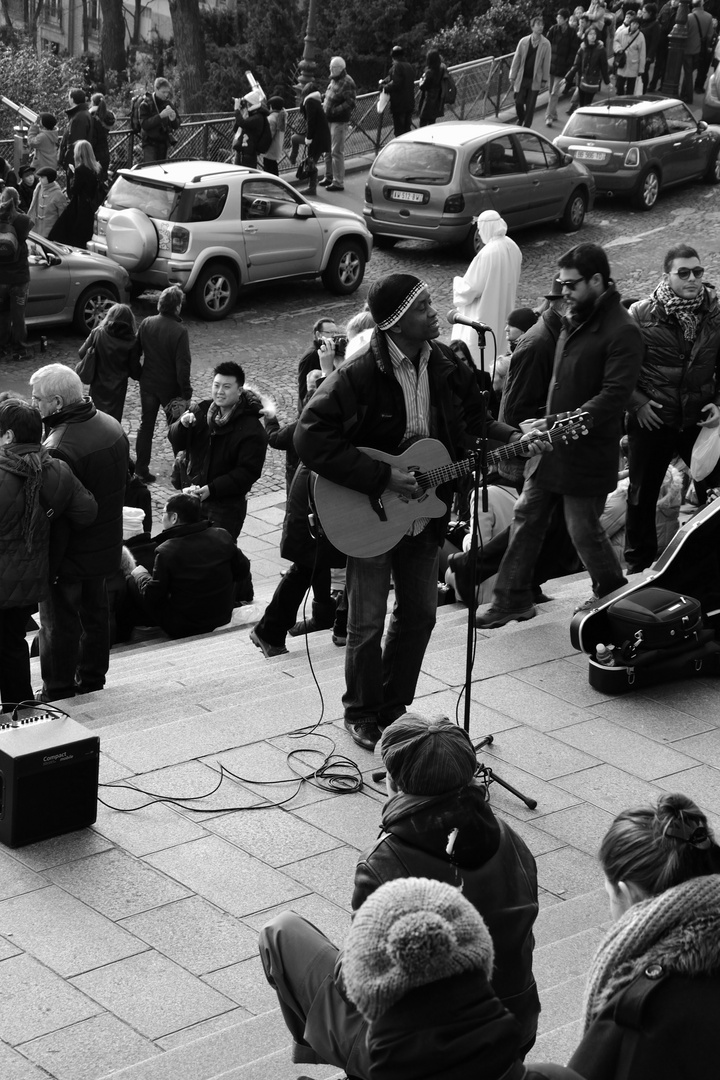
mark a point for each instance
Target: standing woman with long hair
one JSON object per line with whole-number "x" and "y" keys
{"x": 591, "y": 67}
{"x": 653, "y": 996}
{"x": 75, "y": 224}
{"x": 117, "y": 358}
{"x": 432, "y": 89}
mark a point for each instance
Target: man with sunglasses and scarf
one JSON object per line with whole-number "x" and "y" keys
{"x": 677, "y": 392}
{"x": 597, "y": 361}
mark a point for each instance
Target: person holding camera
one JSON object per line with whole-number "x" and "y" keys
{"x": 327, "y": 336}
{"x": 252, "y": 132}
{"x": 159, "y": 122}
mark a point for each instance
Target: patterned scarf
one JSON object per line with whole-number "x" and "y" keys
{"x": 216, "y": 419}
{"x": 679, "y": 929}
{"x": 687, "y": 312}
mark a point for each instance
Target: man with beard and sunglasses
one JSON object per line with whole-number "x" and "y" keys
{"x": 597, "y": 362}
{"x": 677, "y": 391}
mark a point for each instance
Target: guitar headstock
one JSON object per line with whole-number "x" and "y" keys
{"x": 571, "y": 426}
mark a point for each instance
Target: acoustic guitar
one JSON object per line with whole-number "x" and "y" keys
{"x": 362, "y": 526}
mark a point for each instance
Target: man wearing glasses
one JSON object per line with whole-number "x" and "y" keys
{"x": 677, "y": 391}
{"x": 597, "y": 362}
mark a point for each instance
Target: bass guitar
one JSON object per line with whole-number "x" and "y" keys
{"x": 362, "y": 526}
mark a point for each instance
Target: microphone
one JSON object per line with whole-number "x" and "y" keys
{"x": 453, "y": 316}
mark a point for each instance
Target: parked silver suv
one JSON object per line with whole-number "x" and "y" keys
{"x": 211, "y": 227}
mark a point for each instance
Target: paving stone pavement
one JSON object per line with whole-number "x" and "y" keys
{"x": 128, "y": 948}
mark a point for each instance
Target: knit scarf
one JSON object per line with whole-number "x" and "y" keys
{"x": 687, "y": 312}
{"x": 216, "y": 419}
{"x": 26, "y": 462}
{"x": 679, "y": 929}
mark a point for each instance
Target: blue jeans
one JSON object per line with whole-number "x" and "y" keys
{"x": 13, "y": 300}
{"x": 150, "y": 406}
{"x": 335, "y": 160}
{"x": 74, "y": 638}
{"x": 381, "y": 680}
{"x": 513, "y": 587}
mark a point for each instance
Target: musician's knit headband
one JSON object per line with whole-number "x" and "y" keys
{"x": 390, "y": 298}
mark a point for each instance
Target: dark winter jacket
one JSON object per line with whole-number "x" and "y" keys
{"x": 454, "y": 1029}
{"x": 339, "y": 99}
{"x": 597, "y": 364}
{"x": 96, "y": 449}
{"x": 681, "y": 375}
{"x": 362, "y": 404}
{"x": 26, "y": 193}
{"x": 157, "y": 130}
{"x": 564, "y": 43}
{"x": 651, "y": 31}
{"x": 528, "y": 381}
{"x": 192, "y": 587}
{"x": 16, "y": 271}
{"x": 103, "y": 120}
{"x": 491, "y": 865}
{"x": 252, "y": 126}
{"x": 166, "y": 365}
{"x": 227, "y": 457}
{"x": 80, "y": 126}
{"x": 117, "y": 358}
{"x": 26, "y": 534}
{"x": 75, "y": 224}
{"x": 400, "y": 85}
{"x": 297, "y": 543}
{"x": 591, "y": 66}
{"x": 317, "y": 129}
{"x": 662, "y": 1023}
{"x": 280, "y": 437}
{"x": 432, "y": 93}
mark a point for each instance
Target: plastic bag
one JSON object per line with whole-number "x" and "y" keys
{"x": 382, "y": 102}
{"x": 706, "y": 453}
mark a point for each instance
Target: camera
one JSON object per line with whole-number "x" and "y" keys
{"x": 340, "y": 343}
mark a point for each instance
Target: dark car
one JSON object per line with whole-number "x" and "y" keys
{"x": 637, "y": 146}
{"x": 432, "y": 183}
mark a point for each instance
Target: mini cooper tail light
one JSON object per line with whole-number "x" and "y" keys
{"x": 454, "y": 204}
{"x": 632, "y": 158}
{"x": 180, "y": 240}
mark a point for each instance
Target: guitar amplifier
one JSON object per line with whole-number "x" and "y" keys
{"x": 48, "y": 776}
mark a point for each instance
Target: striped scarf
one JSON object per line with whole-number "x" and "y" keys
{"x": 687, "y": 312}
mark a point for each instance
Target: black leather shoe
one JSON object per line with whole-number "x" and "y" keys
{"x": 365, "y": 733}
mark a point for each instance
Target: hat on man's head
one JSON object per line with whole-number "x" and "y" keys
{"x": 25, "y": 169}
{"x": 47, "y": 171}
{"x": 337, "y": 65}
{"x": 389, "y": 298}
{"x": 522, "y": 318}
{"x": 254, "y": 100}
{"x": 427, "y": 756}
{"x": 411, "y": 932}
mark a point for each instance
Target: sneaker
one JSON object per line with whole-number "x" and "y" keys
{"x": 549, "y": 123}
{"x": 333, "y": 186}
{"x": 266, "y": 648}
{"x": 494, "y": 616}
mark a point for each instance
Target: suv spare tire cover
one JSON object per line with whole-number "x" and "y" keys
{"x": 132, "y": 239}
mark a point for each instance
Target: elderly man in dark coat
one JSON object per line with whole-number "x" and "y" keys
{"x": 597, "y": 363}
{"x": 36, "y": 492}
{"x": 75, "y": 633}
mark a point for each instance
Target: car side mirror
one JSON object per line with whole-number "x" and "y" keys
{"x": 53, "y": 259}
{"x": 304, "y": 211}
{"x": 568, "y": 159}
{"x": 702, "y": 125}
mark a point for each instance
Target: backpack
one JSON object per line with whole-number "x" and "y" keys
{"x": 449, "y": 89}
{"x": 265, "y": 137}
{"x": 135, "y": 124}
{"x": 8, "y": 242}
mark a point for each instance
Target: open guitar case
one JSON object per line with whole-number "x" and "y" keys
{"x": 690, "y": 567}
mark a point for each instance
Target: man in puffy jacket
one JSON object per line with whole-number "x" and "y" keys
{"x": 38, "y": 494}
{"x": 436, "y": 824}
{"x": 75, "y": 633}
{"x": 677, "y": 391}
{"x": 338, "y": 105}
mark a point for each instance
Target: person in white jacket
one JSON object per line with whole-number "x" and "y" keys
{"x": 487, "y": 291}
{"x": 530, "y": 71}
{"x": 630, "y": 41}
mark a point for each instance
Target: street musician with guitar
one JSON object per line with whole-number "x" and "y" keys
{"x": 404, "y": 387}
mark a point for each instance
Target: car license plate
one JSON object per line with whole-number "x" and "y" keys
{"x": 407, "y": 196}
{"x": 590, "y": 155}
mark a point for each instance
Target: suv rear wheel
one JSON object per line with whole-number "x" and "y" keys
{"x": 345, "y": 269}
{"x": 215, "y": 292}
{"x": 646, "y": 194}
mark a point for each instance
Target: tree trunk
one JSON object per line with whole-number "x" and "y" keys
{"x": 36, "y": 19}
{"x": 11, "y": 35}
{"x": 190, "y": 52}
{"x": 112, "y": 37}
{"x": 85, "y": 26}
{"x": 137, "y": 15}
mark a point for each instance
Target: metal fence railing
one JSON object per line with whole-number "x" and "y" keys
{"x": 482, "y": 86}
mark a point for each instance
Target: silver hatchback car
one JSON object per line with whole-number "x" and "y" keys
{"x": 431, "y": 184}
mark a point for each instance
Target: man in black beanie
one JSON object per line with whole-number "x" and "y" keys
{"x": 404, "y": 386}
{"x": 436, "y": 824}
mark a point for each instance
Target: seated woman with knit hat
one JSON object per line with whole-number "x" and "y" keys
{"x": 653, "y": 996}
{"x": 437, "y": 824}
